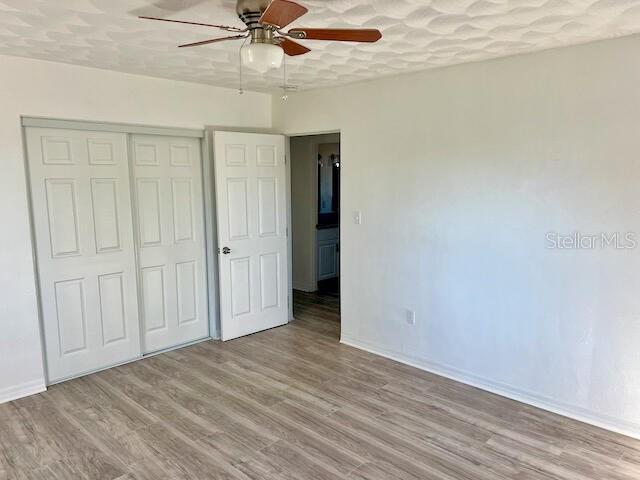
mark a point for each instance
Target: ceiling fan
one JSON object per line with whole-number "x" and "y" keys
{"x": 264, "y": 20}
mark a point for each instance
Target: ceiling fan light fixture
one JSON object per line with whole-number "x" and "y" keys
{"x": 262, "y": 57}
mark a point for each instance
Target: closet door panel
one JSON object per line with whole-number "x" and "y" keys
{"x": 85, "y": 249}
{"x": 172, "y": 252}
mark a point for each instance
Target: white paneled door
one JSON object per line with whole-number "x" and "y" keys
{"x": 85, "y": 249}
{"x": 252, "y": 238}
{"x": 172, "y": 251}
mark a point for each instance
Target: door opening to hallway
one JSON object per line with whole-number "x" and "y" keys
{"x": 315, "y": 222}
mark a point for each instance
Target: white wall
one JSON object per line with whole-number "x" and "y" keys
{"x": 37, "y": 88}
{"x": 304, "y": 207}
{"x": 459, "y": 174}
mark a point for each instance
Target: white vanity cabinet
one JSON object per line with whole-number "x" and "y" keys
{"x": 328, "y": 254}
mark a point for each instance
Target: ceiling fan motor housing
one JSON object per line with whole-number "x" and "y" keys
{"x": 250, "y": 12}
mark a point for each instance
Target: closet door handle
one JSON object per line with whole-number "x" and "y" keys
{"x": 226, "y": 251}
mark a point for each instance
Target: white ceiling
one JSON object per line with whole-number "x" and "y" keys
{"x": 418, "y": 34}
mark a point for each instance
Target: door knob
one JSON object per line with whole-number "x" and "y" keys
{"x": 226, "y": 250}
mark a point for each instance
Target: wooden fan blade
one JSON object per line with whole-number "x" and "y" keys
{"x": 281, "y": 13}
{"x": 223, "y": 27}
{"x": 292, "y": 48}
{"x": 337, "y": 34}
{"x": 213, "y": 40}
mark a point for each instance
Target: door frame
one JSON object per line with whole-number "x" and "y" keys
{"x": 287, "y": 146}
{"x": 128, "y": 129}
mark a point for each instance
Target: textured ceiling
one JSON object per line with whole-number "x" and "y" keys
{"x": 418, "y": 34}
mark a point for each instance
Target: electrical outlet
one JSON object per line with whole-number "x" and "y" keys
{"x": 411, "y": 317}
{"x": 357, "y": 217}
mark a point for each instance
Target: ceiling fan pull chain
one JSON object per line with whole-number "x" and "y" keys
{"x": 240, "y": 89}
{"x": 285, "y": 96}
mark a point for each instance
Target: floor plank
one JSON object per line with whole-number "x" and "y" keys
{"x": 293, "y": 403}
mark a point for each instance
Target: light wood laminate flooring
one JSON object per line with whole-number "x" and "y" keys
{"x": 293, "y": 404}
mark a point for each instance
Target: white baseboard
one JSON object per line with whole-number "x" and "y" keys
{"x": 618, "y": 425}
{"x": 23, "y": 390}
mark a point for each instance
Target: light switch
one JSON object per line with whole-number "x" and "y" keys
{"x": 357, "y": 217}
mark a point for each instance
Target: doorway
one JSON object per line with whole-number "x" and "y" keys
{"x": 315, "y": 220}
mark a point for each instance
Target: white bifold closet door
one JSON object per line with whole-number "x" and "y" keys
{"x": 167, "y": 175}
{"x": 85, "y": 249}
